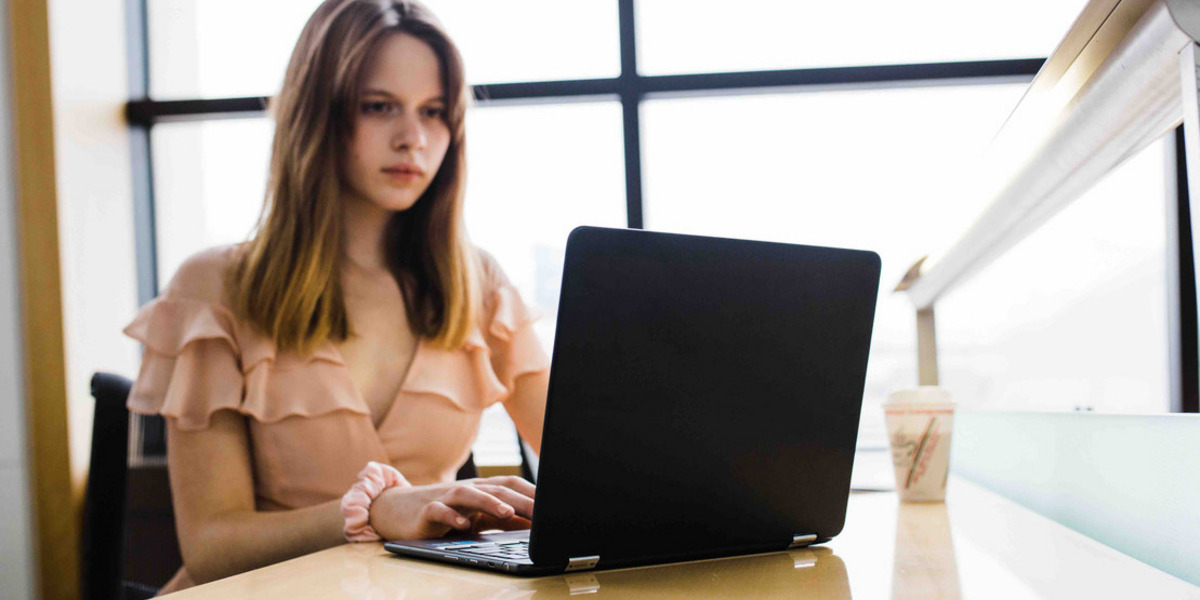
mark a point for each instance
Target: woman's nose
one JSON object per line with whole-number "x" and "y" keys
{"x": 410, "y": 133}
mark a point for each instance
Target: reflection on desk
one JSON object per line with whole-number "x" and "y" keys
{"x": 977, "y": 545}
{"x": 367, "y": 571}
{"x": 775, "y": 575}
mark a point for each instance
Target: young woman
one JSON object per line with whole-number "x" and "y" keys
{"x": 323, "y": 382}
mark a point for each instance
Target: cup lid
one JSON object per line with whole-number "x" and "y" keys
{"x": 925, "y": 394}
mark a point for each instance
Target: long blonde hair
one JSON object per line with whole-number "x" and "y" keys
{"x": 286, "y": 281}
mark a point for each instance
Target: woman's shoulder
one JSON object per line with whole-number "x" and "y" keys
{"x": 202, "y": 276}
{"x": 491, "y": 274}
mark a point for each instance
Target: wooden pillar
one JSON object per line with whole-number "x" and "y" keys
{"x": 55, "y": 503}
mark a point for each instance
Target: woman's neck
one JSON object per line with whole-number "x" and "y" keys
{"x": 364, "y": 226}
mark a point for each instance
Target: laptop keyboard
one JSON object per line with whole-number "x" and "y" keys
{"x": 514, "y": 550}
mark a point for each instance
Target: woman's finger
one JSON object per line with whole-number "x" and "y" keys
{"x": 520, "y": 502}
{"x": 469, "y": 498}
{"x": 441, "y": 514}
{"x": 513, "y": 483}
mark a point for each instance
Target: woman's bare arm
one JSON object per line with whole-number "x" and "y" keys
{"x": 221, "y": 533}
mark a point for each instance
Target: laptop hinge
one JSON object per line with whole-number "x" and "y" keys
{"x": 802, "y": 540}
{"x": 582, "y": 563}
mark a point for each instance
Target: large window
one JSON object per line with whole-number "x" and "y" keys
{"x": 883, "y": 170}
{"x": 700, "y": 36}
{"x": 828, "y": 125}
{"x": 209, "y": 181}
{"x": 537, "y": 172}
{"x": 231, "y": 48}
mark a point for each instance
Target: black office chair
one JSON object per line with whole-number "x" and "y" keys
{"x": 117, "y": 495}
{"x": 132, "y": 509}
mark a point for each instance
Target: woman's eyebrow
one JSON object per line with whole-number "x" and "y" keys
{"x": 378, "y": 92}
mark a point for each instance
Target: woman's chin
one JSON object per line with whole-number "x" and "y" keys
{"x": 393, "y": 204}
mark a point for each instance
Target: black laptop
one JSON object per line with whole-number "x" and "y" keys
{"x": 704, "y": 401}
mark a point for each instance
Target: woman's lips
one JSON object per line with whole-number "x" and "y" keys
{"x": 410, "y": 167}
{"x": 402, "y": 174}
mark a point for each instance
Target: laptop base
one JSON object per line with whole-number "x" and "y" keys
{"x": 465, "y": 551}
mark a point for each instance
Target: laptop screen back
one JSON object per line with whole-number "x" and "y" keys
{"x": 704, "y": 395}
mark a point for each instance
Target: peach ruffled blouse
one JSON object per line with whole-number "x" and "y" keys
{"x": 309, "y": 428}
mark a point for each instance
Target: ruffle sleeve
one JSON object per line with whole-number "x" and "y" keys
{"x": 190, "y": 365}
{"x": 199, "y": 359}
{"x": 513, "y": 344}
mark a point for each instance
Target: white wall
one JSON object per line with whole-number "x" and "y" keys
{"x": 89, "y": 77}
{"x": 16, "y": 512}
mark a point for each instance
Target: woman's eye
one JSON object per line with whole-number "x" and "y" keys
{"x": 436, "y": 113}
{"x": 377, "y": 108}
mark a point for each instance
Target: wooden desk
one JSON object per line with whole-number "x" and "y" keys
{"x": 978, "y": 545}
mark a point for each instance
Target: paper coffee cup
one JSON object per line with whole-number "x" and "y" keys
{"x": 919, "y": 423}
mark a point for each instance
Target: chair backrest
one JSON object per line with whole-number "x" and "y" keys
{"x": 109, "y": 572}
{"x": 104, "y": 505}
{"x": 468, "y": 470}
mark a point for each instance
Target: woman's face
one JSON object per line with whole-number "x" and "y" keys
{"x": 400, "y": 135}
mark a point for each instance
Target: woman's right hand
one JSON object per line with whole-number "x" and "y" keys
{"x": 430, "y": 511}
